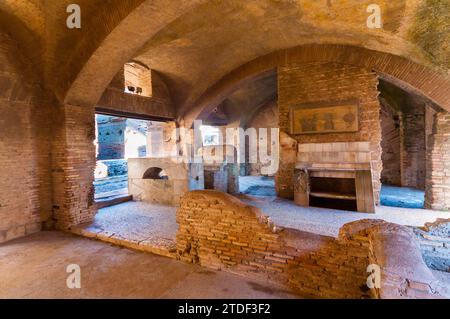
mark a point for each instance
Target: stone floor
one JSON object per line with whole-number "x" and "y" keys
{"x": 35, "y": 267}
{"x": 328, "y": 221}
{"x": 138, "y": 225}
{"x": 405, "y": 197}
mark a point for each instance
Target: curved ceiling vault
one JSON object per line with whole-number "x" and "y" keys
{"x": 202, "y": 47}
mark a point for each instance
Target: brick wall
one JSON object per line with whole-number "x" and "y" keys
{"x": 402, "y": 275}
{"x": 116, "y": 100}
{"x": 390, "y": 144}
{"x": 111, "y": 137}
{"x": 159, "y": 104}
{"x": 163, "y": 191}
{"x": 218, "y": 231}
{"x": 322, "y": 82}
{"x": 73, "y": 166}
{"x": 73, "y": 150}
{"x": 25, "y": 186}
{"x": 267, "y": 118}
{"x": 437, "y": 189}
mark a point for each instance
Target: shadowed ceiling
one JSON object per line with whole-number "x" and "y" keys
{"x": 200, "y": 45}
{"x": 199, "y": 48}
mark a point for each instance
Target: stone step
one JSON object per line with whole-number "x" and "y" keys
{"x": 161, "y": 247}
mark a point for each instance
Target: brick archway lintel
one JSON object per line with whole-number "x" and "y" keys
{"x": 411, "y": 76}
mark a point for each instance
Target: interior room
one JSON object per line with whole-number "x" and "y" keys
{"x": 225, "y": 149}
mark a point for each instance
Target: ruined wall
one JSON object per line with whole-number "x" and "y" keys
{"x": 25, "y": 184}
{"x": 437, "y": 194}
{"x": 220, "y": 171}
{"x": 413, "y": 144}
{"x": 327, "y": 82}
{"x": 391, "y": 145}
{"x": 408, "y": 111}
{"x": 73, "y": 166}
{"x": 218, "y": 231}
{"x": 434, "y": 238}
{"x": 166, "y": 191}
{"x": 162, "y": 139}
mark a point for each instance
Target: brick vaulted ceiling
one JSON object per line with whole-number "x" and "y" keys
{"x": 194, "y": 44}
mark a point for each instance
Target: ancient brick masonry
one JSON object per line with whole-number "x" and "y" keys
{"x": 320, "y": 82}
{"x": 73, "y": 160}
{"x": 266, "y": 118}
{"x": 25, "y": 186}
{"x": 438, "y": 164}
{"x": 159, "y": 104}
{"x": 413, "y": 145}
{"x": 218, "y": 231}
{"x": 391, "y": 144}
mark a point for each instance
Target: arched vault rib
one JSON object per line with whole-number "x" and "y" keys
{"x": 120, "y": 46}
{"x": 405, "y": 73}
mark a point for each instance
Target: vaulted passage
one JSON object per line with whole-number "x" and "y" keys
{"x": 303, "y": 145}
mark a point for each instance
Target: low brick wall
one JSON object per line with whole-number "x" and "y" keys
{"x": 218, "y": 231}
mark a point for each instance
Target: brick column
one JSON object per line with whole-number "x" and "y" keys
{"x": 73, "y": 164}
{"x": 437, "y": 189}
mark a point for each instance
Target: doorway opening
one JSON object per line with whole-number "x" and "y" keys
{"x": 406, "y": 125}
{"x": 117, "y": 140}
{"x": 256, "y": 179}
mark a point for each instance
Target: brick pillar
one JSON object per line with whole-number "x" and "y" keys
{"x": 284, "y": 184}
{"x": 73, "y": 164}
{"x": 437, "y": 189}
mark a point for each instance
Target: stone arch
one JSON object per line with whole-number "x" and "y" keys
{"x": 409, "y": 75}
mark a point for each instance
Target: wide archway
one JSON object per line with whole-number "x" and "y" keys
{"x": 404, "y": 73}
